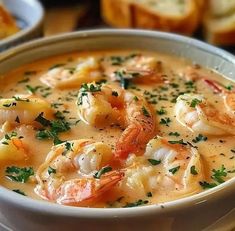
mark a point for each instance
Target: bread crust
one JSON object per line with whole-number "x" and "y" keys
{"x": 216, "y": 34}
{"x": 185, "y": 24}
{"x": 7, "y": 23}
{"x": 116, "y": 13}
{"x": 127, "y": 13}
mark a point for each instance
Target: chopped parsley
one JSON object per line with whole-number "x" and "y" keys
{"x": 161, "y": 111}
{"x": 114, "y": 93}
{"x": 19, "y": 192}
{"x": 51, "y": 170}
{"x": 229, "y": 87}
{"x": 102, "y": 171}
{"x": 177, "y": 142}
{"x": 145, "y": 112}
{"x": 32, "y": 89}
{"x": 206, "y": 185}
{"x": 199, "y": 138}
{"x": 193, "y": 170}
{"x": 43, "y": 121}
{"x": 149, "y": 194}
{"x": 136, "y": 98}
{"x": 154, "y": 162}
{"x": 54, "y": 128}
{"x": 174, "y": 170}
{"x": 195, "y": 102}
{"x": 165, "y": 121}
{"x": 90, "y": 87}
{"x": 189, "y": 84}
{"x": 9, "y": 104}
{"x": 59, "y": 115}
{"x": 19, "y": 174}
{"x": 25, "y": 80}
{"x": 174, "y": 134}
{"x": 219, "y": 174}
{"x": 123, "y": 79}
{"x": 68, "y": 146}
{"x": 135, "y": 204}
{"x": 56, "y": 65}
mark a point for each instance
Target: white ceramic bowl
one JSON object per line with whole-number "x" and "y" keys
{"x": 192, "y": 213}
{"x": 29, "y": 15}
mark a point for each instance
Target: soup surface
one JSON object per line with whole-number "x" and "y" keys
{"x": 115, "y": 129}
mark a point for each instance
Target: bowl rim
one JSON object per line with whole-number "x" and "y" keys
{"x": 38, "y": 206}
{"x": 24, "y": 32}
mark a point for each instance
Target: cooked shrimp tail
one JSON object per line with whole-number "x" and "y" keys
{"x": 79, "y": 192}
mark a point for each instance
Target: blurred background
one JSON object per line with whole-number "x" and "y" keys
{"x": 63, "y": 16}
{"x": 212, "y": 21}
{"x": 70, "y": 15}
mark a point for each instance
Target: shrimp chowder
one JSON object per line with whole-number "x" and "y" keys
{"x": 115, "y": 129}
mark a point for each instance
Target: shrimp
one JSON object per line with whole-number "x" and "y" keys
{"x": 23, "y": 109}
{"x": 87, "y": 70}
{"x": 138, "y": 68}
{"x": 164, "y": 166}
{"x": 193, "y": 74}
{"x": 182, "y": 163}
{"x": 228, "y": 96}
{"x": 12, "y": 148}
{"x": 199, "y": 115}
{"x": 67, "y": 175}
{"x": 111, "y": 104}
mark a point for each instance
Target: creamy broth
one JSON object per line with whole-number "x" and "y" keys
{"x": 178, "y": 76}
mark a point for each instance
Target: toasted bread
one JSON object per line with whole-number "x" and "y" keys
{"x": 219, "y": 22}
{"x": 7, "y": 23}
{"x": 117, "y": 13}
{"x": 181, "y": 16}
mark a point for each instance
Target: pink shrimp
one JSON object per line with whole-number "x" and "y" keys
{"x": 112, "y": 104}
{"x": 140, "y": 127}
{"x": 68, "y": 176}
{"x": 137, "y": 68}
{"x": 83, "y": 192}
{"x": 228, "y": 96}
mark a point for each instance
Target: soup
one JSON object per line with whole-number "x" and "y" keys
{"x": 115, "y": 129}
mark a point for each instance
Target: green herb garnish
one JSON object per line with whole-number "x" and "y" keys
{"x": 145, "y": 112}
{"x": 149, "y": 194}
{"x": 177, "y": 142}
{"x": 19, "y": 192}
{"x": 174, "y": 170}
{"x": 174, "y": 134}
{"x": 195, "y": 102}
{"x": 165, "y": 121}
{"x": 114, "y": 93}
{"x": 206, "y": 185}
{"x": 19, "y": 174}
{"x": 199, "y": 138}
{"x": 102, "y": 171}
{"x": 154, "y": 162}
{"x": 219, "y": 174}
{"x": 161, "y": 111}
{"x": 51, "y": 170}
{"x": 193, "y": 170}
{"x": 135, "y": 204}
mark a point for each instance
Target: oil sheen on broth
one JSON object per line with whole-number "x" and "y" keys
{"x": 115, "y": 129}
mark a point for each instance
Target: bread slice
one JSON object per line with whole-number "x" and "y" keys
{"x": 7, "y": 23}
{"x": 167, "y": 15}
{"x": 117, "y": 13}
{"x": 219, "y": 22}
{"x": 181, "y": 16}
